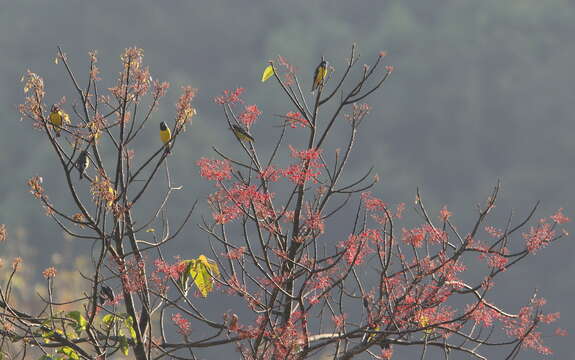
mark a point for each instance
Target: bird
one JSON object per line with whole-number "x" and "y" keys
{"x": 165, "y": 135}
{"x": 82, "y": 163}
{"x": 106, "y": 292}
{"x": 241, "y": 134}
{"x": 319, "y": 74}
{"x": 56, "y": 118}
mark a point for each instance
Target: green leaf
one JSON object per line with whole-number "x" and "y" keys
{"x": 68, "y": 351}
{"x": 124, "y": 347}
{"x": 108, "y": 319}
{"x": 132, "y": 332}
{"x": 46, "y": 357}
{"x": 185, "y": 275}
{"x": 129, "y": 322}
{"x": 81, "y": 321}
{"x": 46, "y": 335}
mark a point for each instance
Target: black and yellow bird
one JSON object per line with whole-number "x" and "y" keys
{"x": 83, "y": 163}
{"x": 165, "y": 135}
{"x": 56, "y": 119}
{"x": 319, "y": 74}
{"x": 106, "y": 293}
{"x": 241, "y": 134}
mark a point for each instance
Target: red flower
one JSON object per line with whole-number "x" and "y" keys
{"x": 289, "y": 76}
{"x": 49, "y": 272}
{"x": 339, "y": 321}
{"x": 538, "y": 237}
{"x": 399, "y": 210}
{"x": 372, "y": 203}
{"x": 494, "y": 232}
{"x": 314, "y": 221}
{"x": 482, "y": 314}
{"x": 295, "y": 119}
{"x": 216, "y": 170}
{"x": 444, "y": 214}
{"x": 230, "y": 97}
{"x": 356, "y": 248}
{"x": 307, "y": 168}
{"x": 236, "y": 253}
{"x": 521, "y": 327}
{"x": 183, "y": 324}
{"x": 232, "y": 203}
{"x": 270, "y": 174}
{"x": 559, "y": 218}
{"x": 250, "y": 115}
{"x": 413, "y": 237}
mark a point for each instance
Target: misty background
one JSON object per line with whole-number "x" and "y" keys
{"x": 482, "y": 90}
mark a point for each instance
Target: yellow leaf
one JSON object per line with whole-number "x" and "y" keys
{"x": 65, "y": 117}
{"x": 268, "y": 72}
{"x": 203, "y": 271}
{"x": 112, "y": 193}
{"x": 423, "y": 322}
{"x": 151, "y": 230}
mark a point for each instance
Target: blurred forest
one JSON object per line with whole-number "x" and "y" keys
{"x": 482, "y": 90}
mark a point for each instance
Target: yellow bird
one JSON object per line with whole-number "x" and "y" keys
{"x": 165, "y": 135}
{"x": 319, "y": 75}
{"x": 57, "y": 118}
{"x": 241, "y": 134}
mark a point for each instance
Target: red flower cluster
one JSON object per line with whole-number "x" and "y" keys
{"x": 231, "y": 203}
{"x": 289, "y": 76}
{"x": 236, "y": 253}
{"x": 215, "y": 170}
{"x": 445, "y": 214}
{"x": 538, "y": 236}
{"x": 230, "y": 97}
{"x": 183, "y": 324}
{"x": 270, "y": 173}
{"x": 173, "y": 271}
{"x": 250, "y": 115}
{"x": 357, "y": 246}
{"x": 295, "y": 119}
{"x": 314, "y": 221}
{"x": 339, "y": 321}
{"x": 416, "y": 236}
{"x": 372, "y": 203}
{"x": 49, "y": 272}
{"x": 482, "y": 314}
{"x": 307, "y": 168}
{"x": 494, "y": 232}
{"x": 559, "y": 218}
{"x": 132, "y": 275}
{"x": 521, "y": 327}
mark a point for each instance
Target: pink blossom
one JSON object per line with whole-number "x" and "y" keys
{"x": 250, "y": 115}
{"x": 559, "y": 217}
{"x": 183, "y": 324}
{"x": 216, "y": 170}
{"x": 230, "y": 97}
